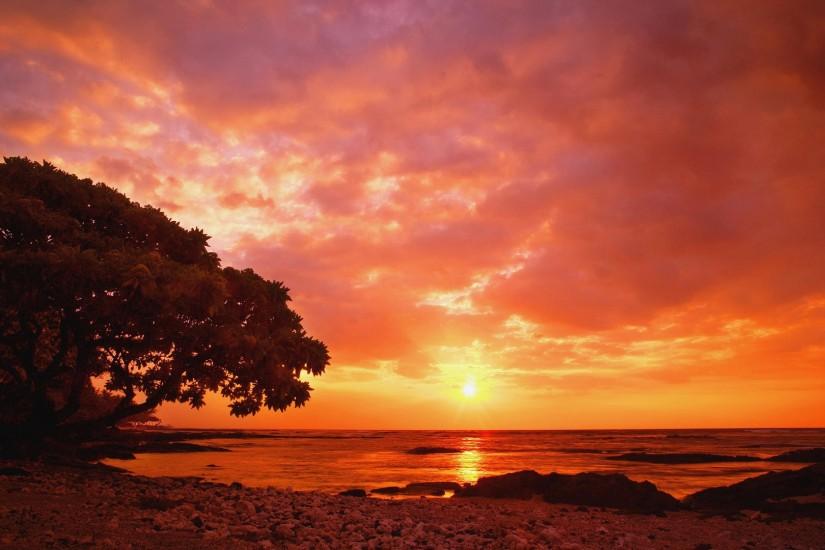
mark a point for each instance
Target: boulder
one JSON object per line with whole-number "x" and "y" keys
{"x": 801, "y": 455}
{"x": 523, "y": 484}
{"x": 762, "y": 492}
{"x": 609, "y": 490}
{"x": 590, "y": 489}
{"x": 682, "y": 458}
{"x": 353, "y": 493}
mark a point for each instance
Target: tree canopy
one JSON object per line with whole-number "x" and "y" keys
{"x": 95, "y": 287}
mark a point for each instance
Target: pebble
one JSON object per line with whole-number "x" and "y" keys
{"x": 272, "y": 518}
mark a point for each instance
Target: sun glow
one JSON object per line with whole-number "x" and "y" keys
{"x": 469, "y": 461}
{"x": 469, "y": 389}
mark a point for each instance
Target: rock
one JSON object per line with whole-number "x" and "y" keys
{"x": 436, "y": 488}
{"x": 169, "y": 520}
{"x": 197, "y": 521}
{"x": 432, "y": 450}
{"x": 551, "y": 534}
{"x": 801, "y": 455}
{"x": 105, "y": 450}
{"x": 246, "y": 508}
{"x": 392, "y": 490}
{"x": 609, "y": 490}
{"x": 177, "y": 447}
{"x": 523, "y": 484}
{"x": 248, "y": 532}
{"x": 512, "y": 540}
{"x": 13, "y": 471}
{"x": 761, "y": 492}
{"x": 155, "y": 503}
{"x": 429, "y": 488}
{"x": 682, "y": 458}
{"x": 284, "y": 530}
{"x": 353, "y": 493}
{"x": 216, "y": 534}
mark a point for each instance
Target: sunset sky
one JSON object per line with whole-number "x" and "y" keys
{"x": 600, "y": 214}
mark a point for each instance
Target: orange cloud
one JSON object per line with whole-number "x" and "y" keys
{"x": 599, "y": 212}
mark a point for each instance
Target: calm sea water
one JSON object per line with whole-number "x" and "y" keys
{"x": 335, "y": 460}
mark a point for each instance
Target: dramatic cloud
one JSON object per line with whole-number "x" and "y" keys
{"x": 599, "y": 211}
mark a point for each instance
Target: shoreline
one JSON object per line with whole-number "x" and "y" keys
{"x": 676, "y": 467}
{"x": 93, "y": 506}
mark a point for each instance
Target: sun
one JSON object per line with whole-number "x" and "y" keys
{"x": 469, "y": 389}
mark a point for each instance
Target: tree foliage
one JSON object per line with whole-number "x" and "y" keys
{"x": 96, "y": 287}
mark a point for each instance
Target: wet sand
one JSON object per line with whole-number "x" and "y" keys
{"x": 66, "y": 507}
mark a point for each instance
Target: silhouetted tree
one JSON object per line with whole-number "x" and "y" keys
{"x": 96, "y": 287}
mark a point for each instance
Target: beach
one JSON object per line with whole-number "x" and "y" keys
{"x": 89, "y": 506}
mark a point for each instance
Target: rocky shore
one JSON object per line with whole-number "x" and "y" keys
{"x": 52, "y": 506}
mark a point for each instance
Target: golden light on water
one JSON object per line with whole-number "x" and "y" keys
{"x": 469, "y": 460}
{"x": 468, "y": 466}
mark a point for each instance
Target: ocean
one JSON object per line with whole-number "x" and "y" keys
{"x": 334, "y": 460}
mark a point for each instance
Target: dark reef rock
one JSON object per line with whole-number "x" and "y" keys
{"x": 610, "y": 490}
{"x": 106, "y": 450}
{"x": 13, "y": 471}
{"x": 682, "y": 458}
{"x": 523, "y": 484}
{"x": 801, "y": 455}
{"x": 392, "y": 490}
{"x": 177, "y": 447}
{"x": 426, "y": 488}
{"x": 432, "y": 450}
{"x": 434, "y": 488}
{"x": 126, "y": 450}
{"x": 65, "y": 461}
{"x": 574, "y": 450}
{"x": 353, "y": 493}
{"x": 764, "y": 492}
{"x": 589, "y": 489}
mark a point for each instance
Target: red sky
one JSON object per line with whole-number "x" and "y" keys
{"x": 606, "y": 214}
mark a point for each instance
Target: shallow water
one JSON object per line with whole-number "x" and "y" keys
{"x": 332, "y": 460}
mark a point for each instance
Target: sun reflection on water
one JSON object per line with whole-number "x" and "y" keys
{"x": 469, "y": 460}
